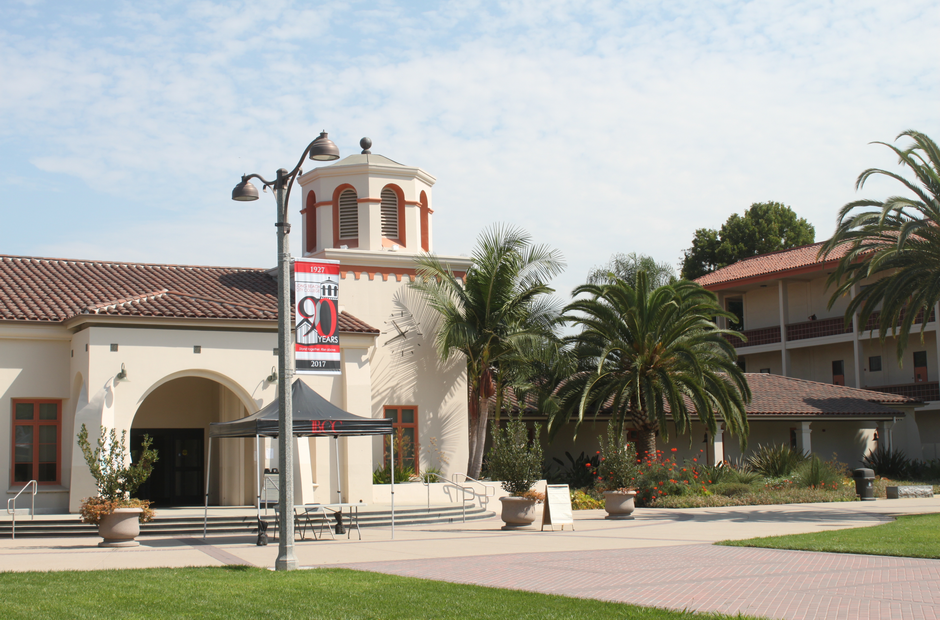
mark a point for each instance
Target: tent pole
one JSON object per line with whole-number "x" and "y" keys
{"x": 205, "y": 515}
{"x": 258, "y": 462}
{"x": 392, "y": 470}
{"x": 339, "y": 479}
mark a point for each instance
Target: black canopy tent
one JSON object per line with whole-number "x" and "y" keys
{"x": 314, "y": 416}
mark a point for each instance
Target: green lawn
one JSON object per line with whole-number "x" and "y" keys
{"x": 241, "y": 592}
{"x": 911, "y": 536}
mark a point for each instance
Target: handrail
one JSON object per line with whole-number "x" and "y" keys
{"x": 463, "y": 491}
{"x": 486, "y": 486}
{"x": 11, "y": 503}
{"x": 489, "y": 489}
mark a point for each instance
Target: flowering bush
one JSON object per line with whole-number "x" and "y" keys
{"x": 664, "y": 477}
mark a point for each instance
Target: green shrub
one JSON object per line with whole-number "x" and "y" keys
{"x": 925, "y": 471}
{"x": 775, "y": 460}
{"x": 617, "y": 469}
{"x": 578, "y": 473}
{"x": 888, "y": 463}
{"x": 431, "y": 474}
{"x": 732, "y": 489}
{"x": 742, "y": 476}
{"x": 512, "y": 460}
{"x": 817, "y": 474}
{"x": 383, "y": 475}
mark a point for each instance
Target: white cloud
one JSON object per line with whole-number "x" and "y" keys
{"x": 599, "y": 127}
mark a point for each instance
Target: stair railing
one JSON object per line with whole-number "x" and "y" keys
{"x": 11, "y": 503}
{"x": 488, "y": 489}
{"x": 426, "y": 480}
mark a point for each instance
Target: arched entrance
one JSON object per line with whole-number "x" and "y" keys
{"x": 177, "y": 415}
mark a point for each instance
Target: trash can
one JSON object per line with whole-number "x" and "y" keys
{"x": 864, "y": 484}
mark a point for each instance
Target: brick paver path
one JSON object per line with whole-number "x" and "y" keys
{"x": 796, "y": 585}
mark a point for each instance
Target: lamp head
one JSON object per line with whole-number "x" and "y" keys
{"x": 272, "y": 378}
{"x": 245, "y": 191}
{"x": 122, "y": 376}
{"x": 323, "y": 149}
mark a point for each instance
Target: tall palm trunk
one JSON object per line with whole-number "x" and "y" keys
{"x": 646, "y": 445}
{"x": 478, "y": 437}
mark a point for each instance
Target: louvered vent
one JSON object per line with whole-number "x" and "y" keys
{"x": 348, "y": 215}
{"x": 389, "y": 214}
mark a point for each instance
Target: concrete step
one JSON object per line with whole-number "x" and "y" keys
{"x": 192, "y": 524}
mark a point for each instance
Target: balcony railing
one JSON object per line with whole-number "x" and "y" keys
{"x": 876, "y": 316}
{"x": 764, "y": 335}
{"x": 817, "y": 329}
{"x": 928, "y": 390}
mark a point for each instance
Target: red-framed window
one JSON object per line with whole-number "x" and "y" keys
{"x": 37, "y": 441}
{"x": 405, "y": 426}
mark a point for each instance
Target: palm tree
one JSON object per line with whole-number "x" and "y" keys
{"x": 626, "y": 266}
{"x": 647, "y": 354}
{"x": 502, "y": 305}
{"x": 898, "y": 238}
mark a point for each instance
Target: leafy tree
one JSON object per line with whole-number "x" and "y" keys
{"x": 896, "y": 240}
{"x": 626, "y": 266}
{"x": 764, "y": 227}
{"x": 646, "y": 353}
{"x": 503, "y": 306}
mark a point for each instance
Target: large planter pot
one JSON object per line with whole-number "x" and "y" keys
{"x": 517, "y": 512}
{"x": 619, "y": 504}
{"x": 120, "y": 528}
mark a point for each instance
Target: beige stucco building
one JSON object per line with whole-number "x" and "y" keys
{"x": 168, "y": 349}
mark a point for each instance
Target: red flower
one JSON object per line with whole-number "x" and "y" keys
{"x": 587, "y": 464}
{"x": 696, "y": 460}
{"x": 674, "y": 449}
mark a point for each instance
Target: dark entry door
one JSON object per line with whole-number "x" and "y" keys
{"x": 178, "y": 475}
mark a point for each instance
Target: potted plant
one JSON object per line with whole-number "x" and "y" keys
{"x": 517, "y": 464}
{"x": 117, "y": 515}
{"x": 616, "y": 473}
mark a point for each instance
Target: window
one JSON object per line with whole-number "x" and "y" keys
{"x": 37, "y": 441}
{"x": 742, "y": 364}
{"x": 389, "y": 214}
{"x": 348, "y": 215}
{"x": 874, "y": 363}
{"x": 765, "y": 371}
{"x": 405, "y": 424}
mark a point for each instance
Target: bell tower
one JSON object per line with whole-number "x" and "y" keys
{"x": 368, "y": 203}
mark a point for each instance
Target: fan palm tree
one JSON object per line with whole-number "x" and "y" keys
{"x": 502, "y": 304}
{"x": 897, "y": 238}
{"x": 650, "y": 354}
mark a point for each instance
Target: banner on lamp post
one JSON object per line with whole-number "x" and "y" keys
{"x": 316, "y": 315}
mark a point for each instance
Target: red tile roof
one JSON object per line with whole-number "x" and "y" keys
{"x": 803, "y": 258}
{"x": 774, "y": 396}
{"x": 53, "y": 290}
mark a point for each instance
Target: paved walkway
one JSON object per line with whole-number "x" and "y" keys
{"x": 663, "y": 558}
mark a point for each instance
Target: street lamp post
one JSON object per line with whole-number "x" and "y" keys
{"x": 321, "y": 149}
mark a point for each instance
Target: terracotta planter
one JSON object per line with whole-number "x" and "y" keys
{"x": 619, "y": 504}
{"x": 120, "y": 528}
{"x": 517, "y": 512}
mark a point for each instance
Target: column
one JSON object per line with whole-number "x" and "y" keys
{"x": 356, "y": 452}
{"x": 803, "y": 442}
{"x": 717, "y": 448}
{"x": 856, "y": 344}
{"x": 784, "y": 318}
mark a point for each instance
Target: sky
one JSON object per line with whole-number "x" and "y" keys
{"x": 598, "y": 127}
